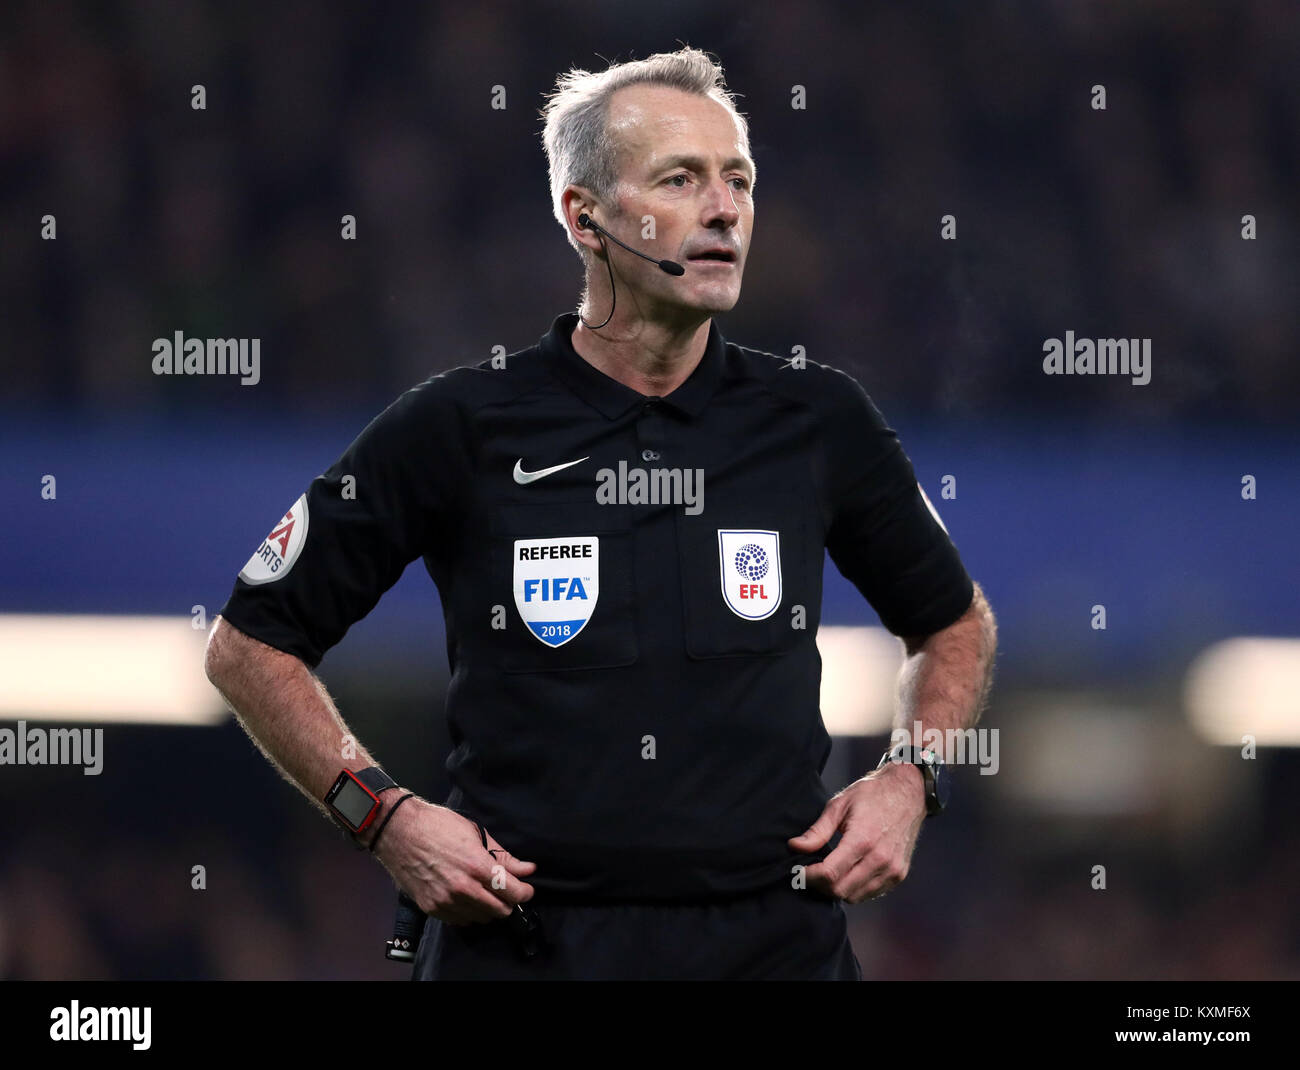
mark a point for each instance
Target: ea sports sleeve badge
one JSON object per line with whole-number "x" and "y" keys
{"x": 280, "y": 549}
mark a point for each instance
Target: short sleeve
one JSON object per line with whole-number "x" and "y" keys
{"x": 884, "y": 535}
{"x": 390, "y": 498}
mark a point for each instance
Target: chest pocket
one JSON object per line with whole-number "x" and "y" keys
{"x": 563, "y": 572}
{"x": 745, "y": 569}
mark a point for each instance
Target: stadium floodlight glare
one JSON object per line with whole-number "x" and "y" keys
{"x": 122, "y": 669}
{"x": 859, "y": 679}
{"x": 1246, "y": 687}
{"x": 1082, "y": 754}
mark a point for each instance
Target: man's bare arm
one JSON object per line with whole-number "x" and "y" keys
{"x": 433, "y": 853}
{"x": 943, "y": 684}
{"x": 945, "y": 680}
{"x": 286, "y": 711}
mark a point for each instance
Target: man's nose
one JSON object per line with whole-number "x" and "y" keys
{"x": 721, "y": 206}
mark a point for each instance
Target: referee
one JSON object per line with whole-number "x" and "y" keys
{"x": 627, "y": 525}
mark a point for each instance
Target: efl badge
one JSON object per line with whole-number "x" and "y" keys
{"x": 279, "y": 550}
{"x": 557, "y": 582}
{"x": 751, "y": 571}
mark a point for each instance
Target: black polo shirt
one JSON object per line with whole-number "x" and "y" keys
{"x": 634, "y": 684}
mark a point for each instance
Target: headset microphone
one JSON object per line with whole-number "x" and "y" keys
{"x": 670, "y": 266}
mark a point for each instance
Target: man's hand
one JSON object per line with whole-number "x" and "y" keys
{"x": 437, "y": 858}
{"x": 880, "y": 817}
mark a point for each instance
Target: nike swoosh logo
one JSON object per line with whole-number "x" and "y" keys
{"x": 522, "y": 477}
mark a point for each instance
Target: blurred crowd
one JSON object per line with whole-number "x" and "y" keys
{"x": 225, "y": 222}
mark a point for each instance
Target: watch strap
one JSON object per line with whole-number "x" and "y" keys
{"x": 930, "y": 765}
{"x": 375, "y": 779}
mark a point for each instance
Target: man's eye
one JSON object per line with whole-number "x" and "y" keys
{"x": 676, "y": 177}
{"x": 744, "y": 182}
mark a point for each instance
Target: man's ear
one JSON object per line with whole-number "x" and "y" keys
{"x": 576, "y": 200}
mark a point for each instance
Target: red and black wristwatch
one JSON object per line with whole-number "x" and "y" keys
{"x": 353, "y": 798}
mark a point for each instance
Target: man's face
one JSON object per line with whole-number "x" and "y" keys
{"x": 683, "y": 163}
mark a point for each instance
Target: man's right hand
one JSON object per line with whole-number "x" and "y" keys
{"x": 437, "y": 858}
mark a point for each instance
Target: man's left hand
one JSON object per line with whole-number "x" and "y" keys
{"x": 879, "y": 818}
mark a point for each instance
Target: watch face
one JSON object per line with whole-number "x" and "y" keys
{"x": 352, "y": 803}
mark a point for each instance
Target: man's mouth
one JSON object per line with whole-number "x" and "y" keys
{"x": 718, "y": 256}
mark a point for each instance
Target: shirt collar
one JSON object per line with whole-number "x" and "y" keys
{"x": 612, "y": 398}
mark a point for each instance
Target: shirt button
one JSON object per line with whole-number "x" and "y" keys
{"x": 649, "y": 455}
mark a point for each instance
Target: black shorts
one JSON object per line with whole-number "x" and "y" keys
{"x": 779, "y": 934}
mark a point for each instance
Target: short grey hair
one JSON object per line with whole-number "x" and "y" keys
{"x": 580, "y": 151}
